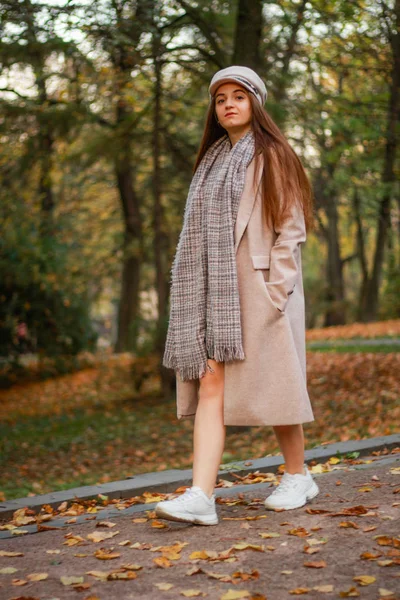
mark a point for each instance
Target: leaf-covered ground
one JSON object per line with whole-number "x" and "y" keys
{"x": 342, "y": 544}
{"x": 89, "y": 427}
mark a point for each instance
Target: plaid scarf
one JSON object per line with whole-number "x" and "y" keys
{"x": 204, "y": 301}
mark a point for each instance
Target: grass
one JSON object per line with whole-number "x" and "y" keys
{"x": 89, "y": 427}
{"x": 337, "y": 347}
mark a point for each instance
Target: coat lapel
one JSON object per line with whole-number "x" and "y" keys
{"x": 246, "y": 204}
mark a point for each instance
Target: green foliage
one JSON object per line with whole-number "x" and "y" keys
{"x": 34, "y": 290}
{"x": 390, "y": 301}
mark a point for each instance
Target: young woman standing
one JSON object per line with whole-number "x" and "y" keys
{"x": 236, "y": 334}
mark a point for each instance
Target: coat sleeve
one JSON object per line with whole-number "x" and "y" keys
{"x": 284, "y": 260}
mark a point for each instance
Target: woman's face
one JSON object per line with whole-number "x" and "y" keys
{"x": 232, "y": 107}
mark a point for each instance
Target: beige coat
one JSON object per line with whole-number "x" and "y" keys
{"x": 269, "y": 387}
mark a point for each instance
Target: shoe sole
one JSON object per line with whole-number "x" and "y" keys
{"x": 182, "y": 518}
{"x": 310, "y": 494}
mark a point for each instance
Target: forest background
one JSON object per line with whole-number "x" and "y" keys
{"x": 102, "y": 106}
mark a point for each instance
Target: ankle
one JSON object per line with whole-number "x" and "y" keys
{"x": 206, "y": 491}
{"x": 301, "y": 471}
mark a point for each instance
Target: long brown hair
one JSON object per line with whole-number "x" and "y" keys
{"x": 284, "y": 180}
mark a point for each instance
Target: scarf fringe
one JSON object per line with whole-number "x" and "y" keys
{"x": 188, "y": 372}
{"x": 226, "y": 353}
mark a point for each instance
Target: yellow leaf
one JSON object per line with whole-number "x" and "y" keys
{"x": 164, "y": 587}
{"x": 7, "y": 570}
{"x": 131, "y": 567}
{"x": 364, "y": 579}
{"x": 37, "y": 576}
{"x": 203, "y": 554}
{"x": 103, "y": 554}
{"x": 243, "y": 546}
{"x": 100, "y": 536}
{"x": 102, "y": 575}
{"x": 298, "y": 591}
{"x": 121, "y": 575}
{"x": 192, "y": 593}
{"x": 70, "y": 580}
{"x": 317, "y": 469}
{"x": 383, "y": 592}
{"x": 235, "y": 595}
{"x": 269, "y": 535}
{"x": 350, "y": 593}
{"x": 162, "y": 562}
{"x": 7, "y": 553}
{"x": 323, "y": 588}
{"x": 158, "y": 524}
{"x": 334, "y": 460}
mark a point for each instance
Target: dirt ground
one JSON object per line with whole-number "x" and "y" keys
{"x": 344, "y": 543}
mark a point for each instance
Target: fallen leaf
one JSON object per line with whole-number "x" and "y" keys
{"x": 164, "y": 587}
{"x": 158, "y": 524}
{"x": 37, "y": 576}
{"x": 319, "y": 564}
{"x": 364, "y": 579}
{"x": 245, "y": 546}
{"x": 162, "y": 562}
{"x": 235, "y": 595}
{"x": 71, "y": 580}
{"x": 104, "y": 554}
{"x": 384, "y": 593}
{"x": 350, "y": 593}
{"x": 323, "y": 588}
{"x": 100, "y": 536}
{"x": 300, "y": 532}
{"x": 349, "y": 524}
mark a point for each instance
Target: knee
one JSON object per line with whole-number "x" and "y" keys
{"x": 212, "y": 383}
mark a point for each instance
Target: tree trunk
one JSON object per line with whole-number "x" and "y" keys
{"x": 248, "y": 34}
{"x": 327, "y": 201}
{"x": 283, "y": 82}
{"x": 129, "y": 304}
{"x": 335, "y": 313}
{"x": 371, "y": 305}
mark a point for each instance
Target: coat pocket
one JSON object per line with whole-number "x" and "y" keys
{"x": 261, "y": 262}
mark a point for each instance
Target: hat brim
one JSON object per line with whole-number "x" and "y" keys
{"x": 217, "y": 84}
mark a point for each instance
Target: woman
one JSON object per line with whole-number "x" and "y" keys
{"x": 236, "y": 334}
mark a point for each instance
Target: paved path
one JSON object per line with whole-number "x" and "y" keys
{"x": 344, "y": 543}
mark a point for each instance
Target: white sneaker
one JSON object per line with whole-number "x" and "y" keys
{"x": 193, "y": 506}
{"x": 293, "y": 491}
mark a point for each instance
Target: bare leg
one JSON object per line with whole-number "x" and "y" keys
{"x": 209, "y": 428}
{"x": 291, "y": 442}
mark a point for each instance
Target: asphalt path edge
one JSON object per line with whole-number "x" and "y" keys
{"x": 169, "y": 481}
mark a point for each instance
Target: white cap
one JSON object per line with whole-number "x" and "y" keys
{"x": 243, "y": 75}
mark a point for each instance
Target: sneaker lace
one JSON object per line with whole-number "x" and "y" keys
{"x": 285, "y": 485}
{"x": 187, "y": 494}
